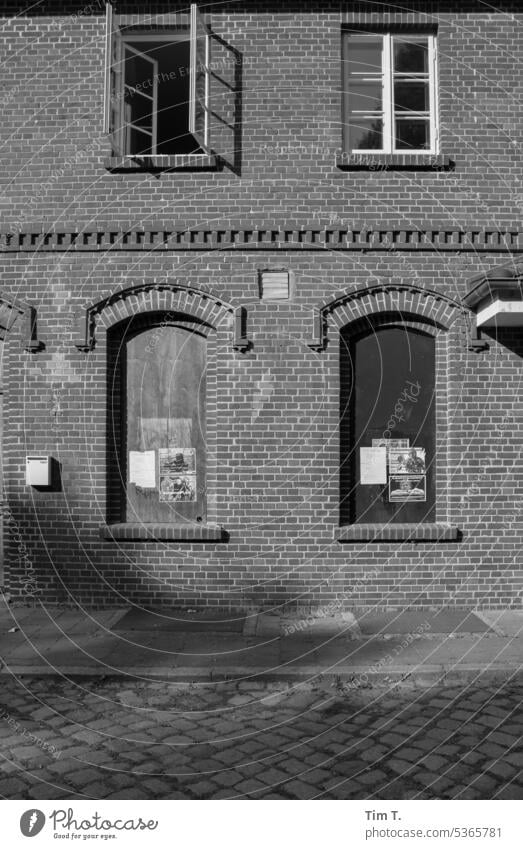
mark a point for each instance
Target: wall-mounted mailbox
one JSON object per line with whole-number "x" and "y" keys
{"x": 38, "y": 470}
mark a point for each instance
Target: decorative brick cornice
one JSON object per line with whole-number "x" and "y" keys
{"x": 201, "y": 306}
{"x": 426, "y": 307}
{"x": 173, "y": 237}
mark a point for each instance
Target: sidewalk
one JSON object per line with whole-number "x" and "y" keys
{"x": 409, "y": 647}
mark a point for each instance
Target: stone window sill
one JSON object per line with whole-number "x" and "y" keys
{"x": 161, "y": 532}
{"x": 429, "y": 532}
{"x": 186, "y": 162}
{"x": 394, "y": 162}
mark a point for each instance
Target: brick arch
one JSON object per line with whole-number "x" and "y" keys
{"x": 204, "y": 307}
{"x": 422, "y": 308}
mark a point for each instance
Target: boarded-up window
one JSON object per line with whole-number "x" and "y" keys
{"x": 388, "y": 410}
{"x": 157, "y": 421}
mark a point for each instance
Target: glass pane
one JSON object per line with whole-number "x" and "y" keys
{"x": 411, "y": 56}
{"x": 165, "y": 405}
{"x": 392, "y": 369}
{"x": 138, "y": 110}
{"x": 364, "y": 55}
{"x": 412, "y": 134}
{"x": 139, "y": 72}
{"x": 138, "y": 143}
{"x": 366, "y": 134}
{"x": 411, "y": 96}
{"x": 365, "y": 97}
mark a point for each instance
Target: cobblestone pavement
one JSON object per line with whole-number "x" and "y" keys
{"x": 138, "y": 740}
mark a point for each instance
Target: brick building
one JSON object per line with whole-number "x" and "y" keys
{"x": 260, "y": 300}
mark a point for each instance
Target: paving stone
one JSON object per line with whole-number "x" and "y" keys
{"x": 299, "y": 789}
{"x": 10, "y": 788}
{"x": 204, "y": 789}
{"x": 373, "y": 754}
{"x": 512, "y": 791}
{"x": 490, "y": 750}
{"x": 502, "y": 769}
{"x": 433, "y": 762}
{"x": 249, "y": 787}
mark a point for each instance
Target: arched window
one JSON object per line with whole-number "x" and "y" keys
{"x": 156, "y": 420}
{"x": 387, "y": 425}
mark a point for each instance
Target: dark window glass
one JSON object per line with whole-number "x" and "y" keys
{"x": 366, "y": 134}
{"x": 410, "y": 96}
{"x": 411, "y": 57}
{"x": 387, "y": 392}
{"x": 412, "y": 133}
{"x": 172, "y": 93}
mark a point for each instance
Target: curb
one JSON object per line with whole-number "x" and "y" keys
{"x": 356, "y": 678}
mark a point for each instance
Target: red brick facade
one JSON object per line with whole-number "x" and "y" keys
{"x": 358, "y": 243}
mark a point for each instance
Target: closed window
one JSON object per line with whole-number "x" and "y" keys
{"x": 387, "y": 433}
{"x": 390, "y": 97}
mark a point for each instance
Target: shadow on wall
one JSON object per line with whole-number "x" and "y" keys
{"x": 509, "y": 337}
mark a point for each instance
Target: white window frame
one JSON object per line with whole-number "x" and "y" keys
{"x": 198, "y": 28}
{"x": 125, "y": 126}
{"x": 387, "y": 76}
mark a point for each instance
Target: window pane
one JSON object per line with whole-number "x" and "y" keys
{"x": 138, "y": 143}
{"x": 364, "y": 55}
{"x": 411, "y": 96}
{"x": 365, "y": 97}
{"x": 138, "y": 110}
{"x": 366, "y": 134}
{"x": 165, "y": 406}
{"x": 412, "y": 134}
{"x": 387, "y": 392}
{"x": 139, "y": 72}
{"x": 411, "y": 56}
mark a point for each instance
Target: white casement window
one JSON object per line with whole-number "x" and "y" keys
{"x": 157, "y": 89}
{"x": 390, "y": 93}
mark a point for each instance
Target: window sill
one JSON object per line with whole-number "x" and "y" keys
{"x": 430, "y": 532}
{"x": 161, "y": 532}
{"x": 185, "y": 162}
{"x": 394, "y": 162}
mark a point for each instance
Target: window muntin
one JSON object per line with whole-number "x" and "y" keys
{"x": 387, "y": 378}
{"x": 390, "y": 93}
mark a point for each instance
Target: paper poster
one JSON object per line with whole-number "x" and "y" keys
{"x": 142, "y": 469}
{"x": 177, "y": 474}
{"x": 390, "y": 443}
{"x": 409, "y": 462}
{"x": 407, "y": 488}
{"x": 373, "y": 465}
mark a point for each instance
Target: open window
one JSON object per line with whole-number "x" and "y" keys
{"x": 387, "y": 425}
{"x": 158, "y": 89}
{"x": 156, "y": 420}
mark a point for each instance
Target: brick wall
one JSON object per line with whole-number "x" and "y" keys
{"x": 275, "y": 484}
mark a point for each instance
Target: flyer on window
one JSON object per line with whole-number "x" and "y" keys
{"x": 142, "y": 469}
{"x": 373, "y": 465}
{"x": 407, "y": 462}
{"x": 407, "y": 488}
{"x": 177, "y": 474}
{"x": 390, "y": 443}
